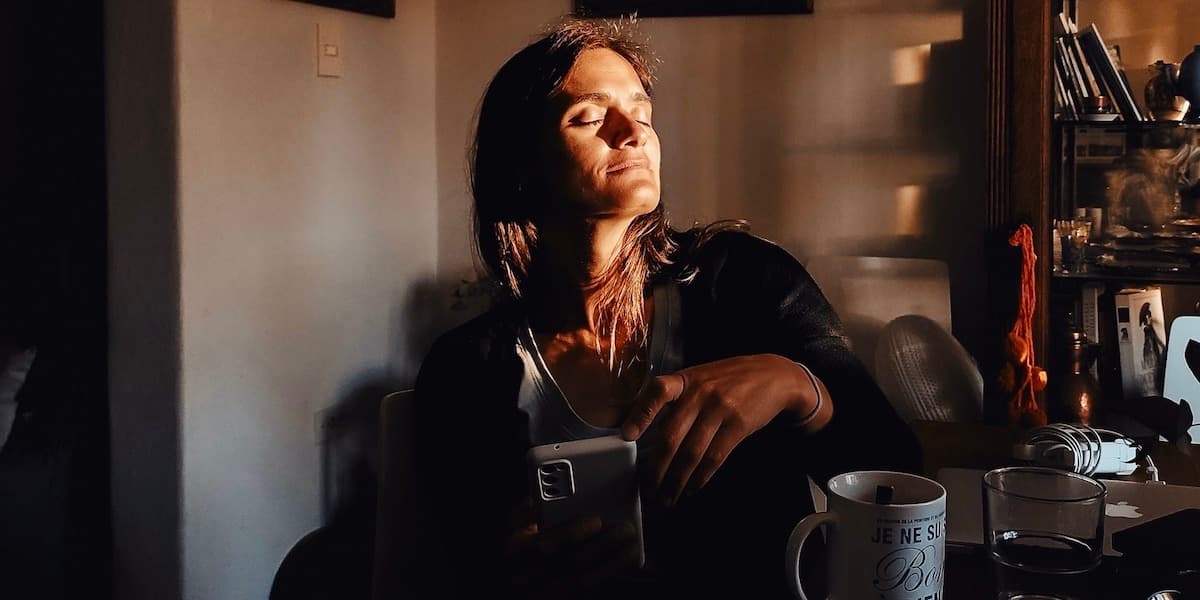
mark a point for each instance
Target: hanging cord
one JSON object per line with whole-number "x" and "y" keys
{"x": 1020, "y": 376}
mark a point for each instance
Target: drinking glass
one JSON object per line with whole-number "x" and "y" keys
{"x": 1044, "y": 530}
{"x": 1080, "y": 233}
{"x": 1063, "y": 232}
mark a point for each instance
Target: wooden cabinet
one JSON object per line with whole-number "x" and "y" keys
{"x": 1032, "y": 157}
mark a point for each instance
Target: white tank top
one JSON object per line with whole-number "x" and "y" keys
{"x": 549, "y": 413}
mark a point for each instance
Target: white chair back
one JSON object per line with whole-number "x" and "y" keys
{"x": 869, "y": 291}
{"x": 397, "y": 512}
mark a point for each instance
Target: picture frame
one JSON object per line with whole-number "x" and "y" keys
{"x": 691, "y": 8}
{"x": 378, "y": 8}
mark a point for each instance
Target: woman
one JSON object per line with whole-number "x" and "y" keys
{"x": 712, "y": 348}
{"x": 1154, "y": 368}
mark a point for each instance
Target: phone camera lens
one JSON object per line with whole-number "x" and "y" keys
{"x": 552, "y": 491}
{"x": 550, "y": 479}
{"x": 547, "y": 469}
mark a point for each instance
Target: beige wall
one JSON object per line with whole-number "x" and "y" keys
{"x": 306, "y": 226}
{"x": 856, "y": 130}
{"x": 307, "y": 216}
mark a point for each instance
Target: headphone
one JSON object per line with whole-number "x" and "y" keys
{"x": 1084, "y": 450}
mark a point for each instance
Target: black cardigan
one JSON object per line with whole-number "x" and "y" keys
{"x": 748, "y": 296}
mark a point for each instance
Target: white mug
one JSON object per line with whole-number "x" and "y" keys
{"x": 893, "y": 550}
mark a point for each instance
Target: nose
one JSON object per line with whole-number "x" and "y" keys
{"x": 626, "y": 131}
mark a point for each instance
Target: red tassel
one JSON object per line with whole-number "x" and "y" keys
{"x": 1021, "y": 377}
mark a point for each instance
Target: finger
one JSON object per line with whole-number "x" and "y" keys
{"x": 522, "y": 515}
{"x": 688, "y": 456}
{"x": 570, "y": 533}
{"x": 662, "y": 390}
{"x": 603, "y": 546}
{"x": 672, "y": 430}
{"x": 579, "y": 566}
{"x": 524, "y": 528}
{"x": 610, "y": 553}
{"x": 719, "y": 449}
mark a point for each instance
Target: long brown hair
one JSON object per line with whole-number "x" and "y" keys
{"x": 510, "y": 193}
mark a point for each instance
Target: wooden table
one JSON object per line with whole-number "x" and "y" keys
{"x": 971, "y": 575}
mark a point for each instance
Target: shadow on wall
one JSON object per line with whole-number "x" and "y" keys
{"x": 349, "y": 428}
{"x": 927, "y": 165}
{"x": 335, "y": 560}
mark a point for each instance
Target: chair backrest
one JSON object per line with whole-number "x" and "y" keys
{"x": 396, "y": 512}
{"x": 15, "y": 363}
{"x": 926, "y": 374}
{"x": 869, "y": 291}
{"x": 1182, "y": 380}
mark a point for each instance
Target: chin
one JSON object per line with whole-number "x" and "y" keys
{"x": 636, "y": 202}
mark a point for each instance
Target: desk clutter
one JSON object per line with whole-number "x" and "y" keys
{"x": 1064, "y": 535}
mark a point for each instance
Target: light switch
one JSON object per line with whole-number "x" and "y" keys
{"x": 329, "y": 50}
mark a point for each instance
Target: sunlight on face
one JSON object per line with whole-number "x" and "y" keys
{"x": 603, "y": 151}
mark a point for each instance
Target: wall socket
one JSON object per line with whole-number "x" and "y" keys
{"x": 329, "y": 50}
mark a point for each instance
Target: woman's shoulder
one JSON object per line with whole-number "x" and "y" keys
{"x": 478, "y": 338}
{"x": 723, "y": 249}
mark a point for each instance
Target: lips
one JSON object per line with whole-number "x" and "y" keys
{"x": 626, "y": 165}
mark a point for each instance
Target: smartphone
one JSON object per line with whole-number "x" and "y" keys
{"x": 592, "y": 477}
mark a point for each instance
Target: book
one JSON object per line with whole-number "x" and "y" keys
{"x": 1065, "y": 28}
{"x": 1101, "y": 62}
{"x": 1141, "y": 341}
{"x": 1069, "y": 75}
{"x": 1088, "y": 76}
{"x": 1089, "y": 315}
{"x": 1071, "y": 103}
{"x": 1068, "y": 90}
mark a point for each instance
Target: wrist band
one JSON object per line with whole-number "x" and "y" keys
{"x": 812, "y": 379}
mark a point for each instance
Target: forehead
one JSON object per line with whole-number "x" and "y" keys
{"x": 598, "y": 68}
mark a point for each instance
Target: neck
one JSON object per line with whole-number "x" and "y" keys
{"x": 565, "y": 293}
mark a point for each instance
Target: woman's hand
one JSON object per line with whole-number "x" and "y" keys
{"x": 705, "y": 411}
{"x": 570, "y": 559}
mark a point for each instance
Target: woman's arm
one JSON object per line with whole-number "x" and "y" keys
{"x": 777, "y": 311}
{"x": 796, "y": 321}
{"x": 466, "y": 482}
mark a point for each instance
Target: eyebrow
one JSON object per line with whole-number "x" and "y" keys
{"x": 600, "y": 97}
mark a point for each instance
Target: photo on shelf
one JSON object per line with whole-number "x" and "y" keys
{"x": 1141, "y": 339}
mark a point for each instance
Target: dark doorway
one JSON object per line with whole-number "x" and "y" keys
{"x": 54, "y": 490}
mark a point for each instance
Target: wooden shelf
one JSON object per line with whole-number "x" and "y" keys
{"x": 1133, "y": 276}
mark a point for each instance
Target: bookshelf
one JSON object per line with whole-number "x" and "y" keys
{"x": 1025, "y": 159}
{"x": 1128, "y": 168}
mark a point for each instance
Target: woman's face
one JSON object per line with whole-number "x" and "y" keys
{"x": 603, "y": 152}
